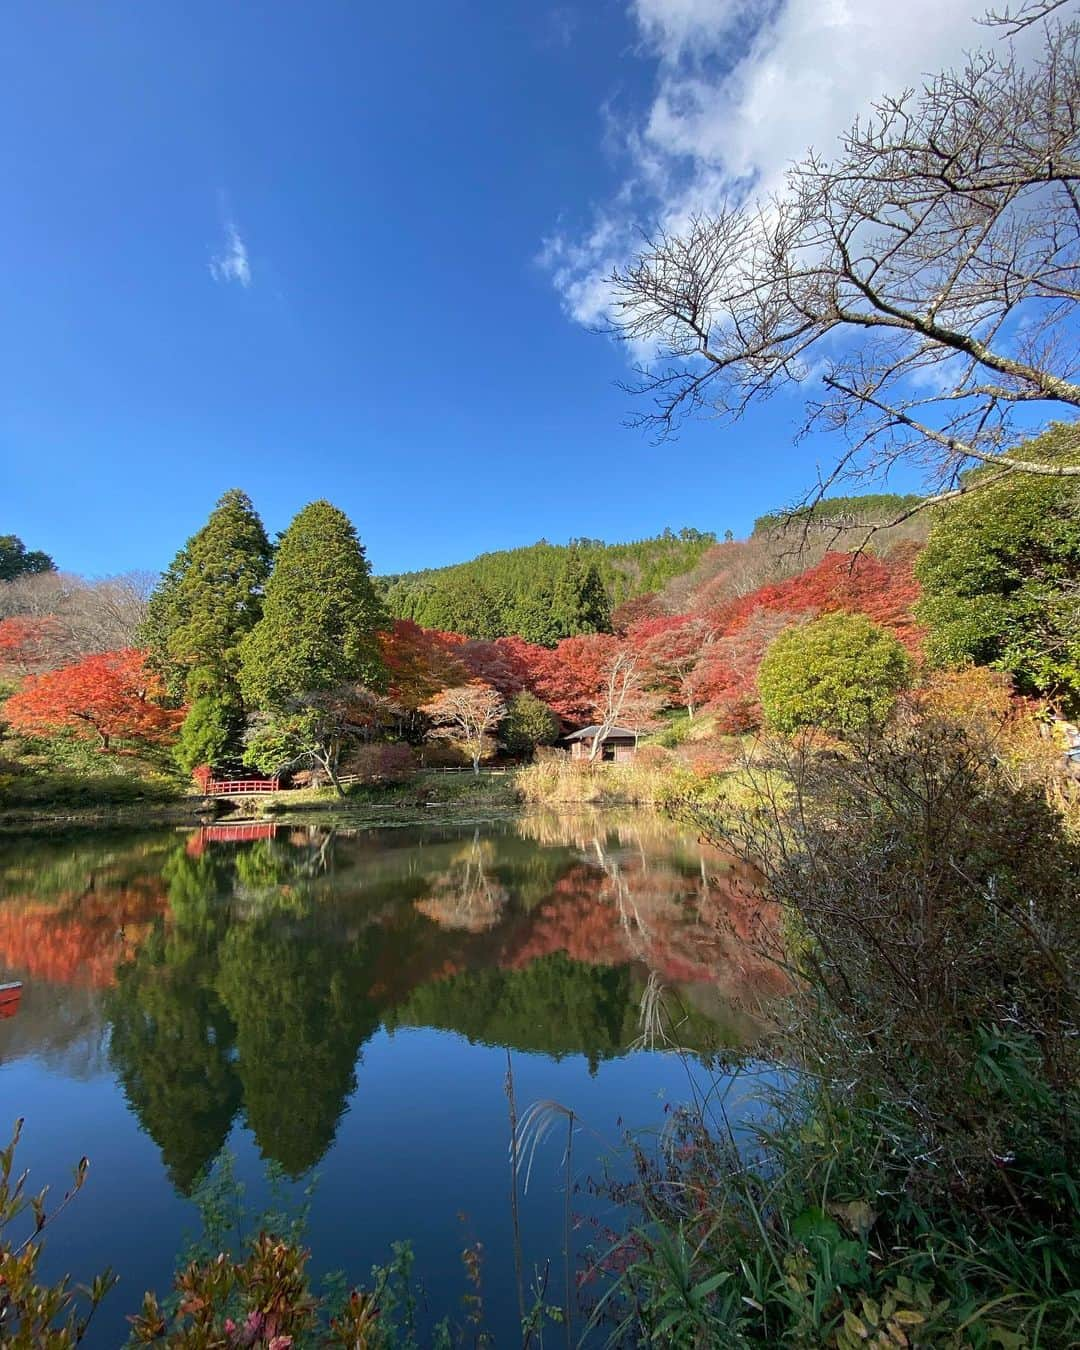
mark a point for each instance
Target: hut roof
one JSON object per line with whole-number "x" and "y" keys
{"x": 612, "y": 734}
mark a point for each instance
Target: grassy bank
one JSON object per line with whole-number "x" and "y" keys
{"x": 44, "y": 798}
{"x": 424, "y": 798}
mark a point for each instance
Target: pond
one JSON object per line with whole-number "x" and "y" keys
{"x": 326, "y": 1012}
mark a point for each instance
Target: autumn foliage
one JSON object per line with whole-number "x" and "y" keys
{"x": 705, "y": 656}
{"x": 106, "y": 698}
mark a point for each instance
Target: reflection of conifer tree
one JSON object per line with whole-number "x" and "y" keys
{"x": 300, "y": 1003}
{"x": 172, "y": 1037}
{"x": 555, "y": 1005}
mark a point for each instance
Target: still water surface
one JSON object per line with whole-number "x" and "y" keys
{"x": 335, "y": 1006}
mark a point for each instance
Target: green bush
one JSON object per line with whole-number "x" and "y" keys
{"x": 839, "y": 673}
{"x": 917, "y": 1181}
{"x": 1001, "y": 577}
{"x": 527, "y": 724}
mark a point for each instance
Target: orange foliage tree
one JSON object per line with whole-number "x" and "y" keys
{"x": 420, "y": 661}
{"x": 109, "y": 697}
{"x": 26, "y": 644}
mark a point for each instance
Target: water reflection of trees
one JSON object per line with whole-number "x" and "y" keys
{"x": 244, "y": 972}
{"x": 468, "y": 894}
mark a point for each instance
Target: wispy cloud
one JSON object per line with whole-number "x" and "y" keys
{"x": 742, "y": 88}
{"x": 231, "y": 263}
{"x": 562, "y": 25}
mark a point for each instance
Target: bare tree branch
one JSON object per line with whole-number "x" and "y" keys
{"x": 925, "y": 281}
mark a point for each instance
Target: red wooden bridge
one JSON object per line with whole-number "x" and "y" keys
{"x": 233, "y": 787}
{"x": 240, "y": 832}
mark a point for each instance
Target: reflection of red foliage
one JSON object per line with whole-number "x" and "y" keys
{"x": 688, "y": 930}
{"x": 80, "y": 938}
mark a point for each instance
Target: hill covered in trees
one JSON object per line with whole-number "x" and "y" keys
{"x": 545, "y": 591}
{"x": 867, "y": 507}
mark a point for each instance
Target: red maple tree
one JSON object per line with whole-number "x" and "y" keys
{"x": 109, "y": 697}
{"x": 569, "y": 677}
{"x": 421, "y": 661}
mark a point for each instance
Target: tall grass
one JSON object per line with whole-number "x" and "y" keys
{"x": 565, "y": 781}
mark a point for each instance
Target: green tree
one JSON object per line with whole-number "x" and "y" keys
{"x": 321, "y": 617}
{"x": 457, "y": 603}
{"x": 527, "y": 724}
{"x": 171, "y": 1039}
{"x": 15, "y": 561}
{"x": 209, "y": 733}
{"x": 299, "y": 1000}
{"x": 532, "y": 615}
{"x": 208, "y": 599}
{"x": 840, "y": 673}
{"x": 314, "y": 655}
{"x": 1001, "y": 577}
{"x": 581, "y": 602}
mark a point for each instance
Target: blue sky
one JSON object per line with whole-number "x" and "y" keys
{"x": 341, "y": 249}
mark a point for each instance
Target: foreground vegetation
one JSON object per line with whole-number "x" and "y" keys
{"x": 917, "y": 1183}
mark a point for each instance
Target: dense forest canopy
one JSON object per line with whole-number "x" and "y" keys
{"x": 524, "y": 591}
{"x": 863, "y": 508}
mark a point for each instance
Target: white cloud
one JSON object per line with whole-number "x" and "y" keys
{"x": 232, "y": 263}
{"x": 742, "y": 89}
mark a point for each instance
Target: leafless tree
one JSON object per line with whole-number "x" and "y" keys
{"x": 468, "y": 713}
{"x": 86, "y": 615}
{"x": 926, "y": 278}
{"x": 1027, "y": 13}
{"x": 622, "y": 698}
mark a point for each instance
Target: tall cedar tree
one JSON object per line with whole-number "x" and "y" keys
{"x": 581, "y": 603}
{"x": 208, "y": 600}
{"x": 321, "y": 616}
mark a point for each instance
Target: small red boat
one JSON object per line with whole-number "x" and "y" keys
{"x": 9, "y": 998}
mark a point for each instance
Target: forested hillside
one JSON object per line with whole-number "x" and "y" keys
{"x": 545, "y": 591}
{"x": 867, "y": 507}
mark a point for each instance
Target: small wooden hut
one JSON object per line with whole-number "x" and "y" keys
{"x": 618, "y": 744}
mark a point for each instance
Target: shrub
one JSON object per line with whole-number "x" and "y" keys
{"x": 938, "y": 897}
{"x": 840, "y": 672}
{"x": 527, "y": 724}
{"x": 35, "y": 1314}
{"x": 210, "y": 727}
{"x": 916, "y": 1182}
{"x": 382, "y": 762}
{"x": 1000, "y": 576}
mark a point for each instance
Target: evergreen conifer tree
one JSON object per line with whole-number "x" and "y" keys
{"x": 208, "y": 600}
{"x": 321, "y": 615}
{"x": 533, "y": 616}
{"x": 581, "y": 603}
